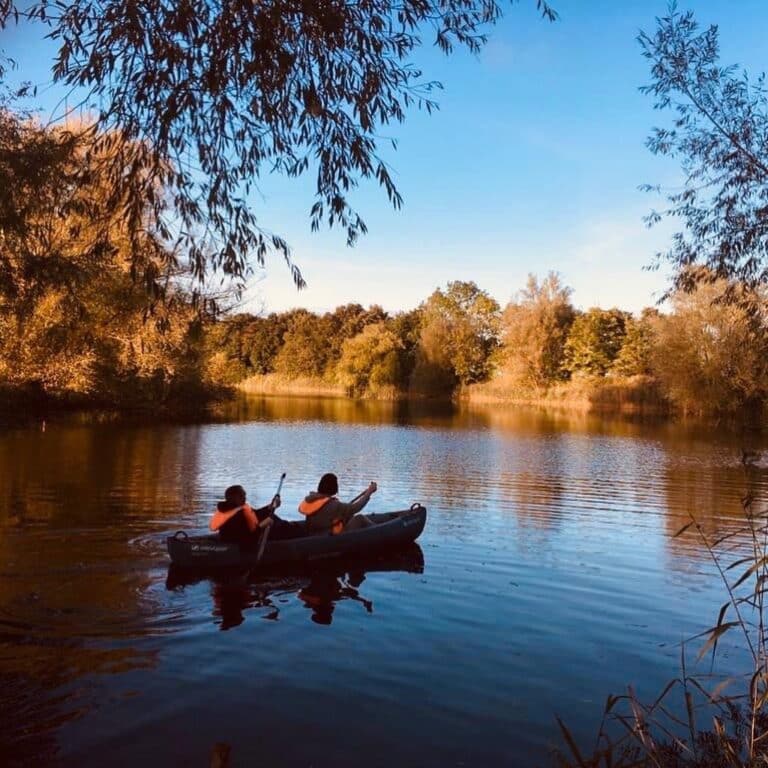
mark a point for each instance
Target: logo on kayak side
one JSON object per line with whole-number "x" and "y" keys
{"x": 208, "y": 548}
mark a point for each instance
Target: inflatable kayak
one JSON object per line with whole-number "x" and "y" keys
{"x": 390, "y": 529}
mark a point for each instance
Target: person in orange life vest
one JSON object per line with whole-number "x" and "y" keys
{"x": 236, "y": 520}
{"x": 326, "y": 514}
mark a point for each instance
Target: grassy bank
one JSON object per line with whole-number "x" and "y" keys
{"x": 634, "y": 394}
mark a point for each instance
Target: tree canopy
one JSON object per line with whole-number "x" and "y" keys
{"x": 210, "y": 96}
{"x": 459, "y": 333}
{"x": 536, "y": 325}
{"x": 720, "y": 134}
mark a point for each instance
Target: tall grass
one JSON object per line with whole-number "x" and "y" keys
{"x": 733, "y": 731}
{"x": 620, "y": 394}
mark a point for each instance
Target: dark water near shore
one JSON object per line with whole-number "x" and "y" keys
{"x": 547, "y": 577}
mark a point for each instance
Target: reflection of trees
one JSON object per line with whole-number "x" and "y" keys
{"x": 40, "y": 691}
{"x": 77, "y": 507}
{"x": 319, "y": 587}
{"x": 708, "y": 482}
{"x": 339, "y": 410}
{"x": 83, "y": 474}
{"x": 538, "y": 499}
{"x": 537, "y": 421}
{"x": 51, "y": 640}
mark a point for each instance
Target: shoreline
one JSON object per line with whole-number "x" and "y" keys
{"x": 637, "y": 397}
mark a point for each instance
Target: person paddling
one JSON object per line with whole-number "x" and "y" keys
{"x": 236, "y": 520}
{"x": 326, "y": 514}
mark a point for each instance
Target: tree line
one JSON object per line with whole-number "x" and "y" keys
{"x": 95, "y": 307}
{"x": 707, "y": 354}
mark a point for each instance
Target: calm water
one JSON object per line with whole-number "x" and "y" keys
{"x": 547, "y": 577}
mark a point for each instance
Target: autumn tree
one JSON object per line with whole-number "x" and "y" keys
{"x": 407, "y": 328}
{"x": 210, "y": 96}
{"x": 712, "y": 355}
{"x": 433, "y": 372}
{"x": 347, "y": 321}
{"x": 73, "y": 318}
{"x": 305, "y": 348}
{"x": 634, "y": 358}
{"x": 369, "y": 361}
{"x": 595, "y": 340}
{"x": 719, "y": 132}
{"x": 459, "y": 333}
{"x": 263, "y": 338}
{"x": 535, "y": 328}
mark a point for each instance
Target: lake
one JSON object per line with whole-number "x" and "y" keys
{"x": 547, "y": 577}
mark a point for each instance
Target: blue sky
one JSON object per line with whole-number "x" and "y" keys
{"x": 532, "y": 164}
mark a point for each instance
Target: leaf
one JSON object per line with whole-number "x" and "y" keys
{"x": 571, "y": 744}
{"x": 714, "y": 635}
{"x": 682, "y": 530}
{"x": 744, "y": 576}
{"x": 721, "y": 615}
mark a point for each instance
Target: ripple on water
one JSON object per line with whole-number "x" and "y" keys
{"x": 550, "y": 578}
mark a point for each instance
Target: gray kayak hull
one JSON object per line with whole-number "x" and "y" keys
{"x": 392, "y": 529}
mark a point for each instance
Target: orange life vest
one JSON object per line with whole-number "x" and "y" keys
{"x": 309, "y": 508}
{"x": 219, "y": 517}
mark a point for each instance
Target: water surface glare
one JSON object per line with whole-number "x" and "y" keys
{"x": 547, "y": 578}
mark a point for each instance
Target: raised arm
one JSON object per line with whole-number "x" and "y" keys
{"x": 346, "y": 510}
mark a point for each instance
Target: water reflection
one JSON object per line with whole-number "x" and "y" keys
{"x": 524, "y": 506}
{"x": 318, "y": 587}
{"x": 80, "y": 475}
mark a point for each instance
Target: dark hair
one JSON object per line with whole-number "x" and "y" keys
{"x": 235, "y": 494}
{"x": 328, "y": 485}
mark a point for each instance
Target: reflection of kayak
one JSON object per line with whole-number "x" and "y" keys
{"x": 391, "y": 529}
{"x": 319, "y": 585}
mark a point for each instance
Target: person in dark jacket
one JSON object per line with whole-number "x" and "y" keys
{"x": 236, "y": 520}
{"x": 326, "y": 514}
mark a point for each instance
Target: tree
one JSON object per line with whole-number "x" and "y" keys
{"x": 72, "y": 317}
{"x": 407, "y": 328}
{"x": 433, "y": 372}
{"x": 720, "y": 134}
{"x": 459, "y": 333}
{"x": 208, "y": 96}
{"x": 712, "y": 356}
{"x": 369, "y": 361}
{"x": 347, "y": 321}
{"x": 595, "y": 340}
{"x": 306, "y": 348}
{"x": 263, "y": 339}
{"x": 634, "y": 358}
{"x": 535, "y": 328}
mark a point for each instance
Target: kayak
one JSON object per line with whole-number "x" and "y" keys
{"x": 293, "y": 576}
{"x": 390, "y": 529}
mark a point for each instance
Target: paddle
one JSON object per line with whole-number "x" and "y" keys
{"x": 359, "y": 496}
{"x": 267, "y": 524}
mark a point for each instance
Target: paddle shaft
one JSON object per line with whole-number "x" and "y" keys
{"x": 265, "y": 534}
{"x": 280, "y": 486}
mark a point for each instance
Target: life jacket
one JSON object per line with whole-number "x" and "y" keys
{"x": 309, "y": 508}
{"x": 228, "y": 524}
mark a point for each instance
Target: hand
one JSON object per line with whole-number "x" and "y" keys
{"x": 372, "y": 488}
{"x": 276, "y": 501}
